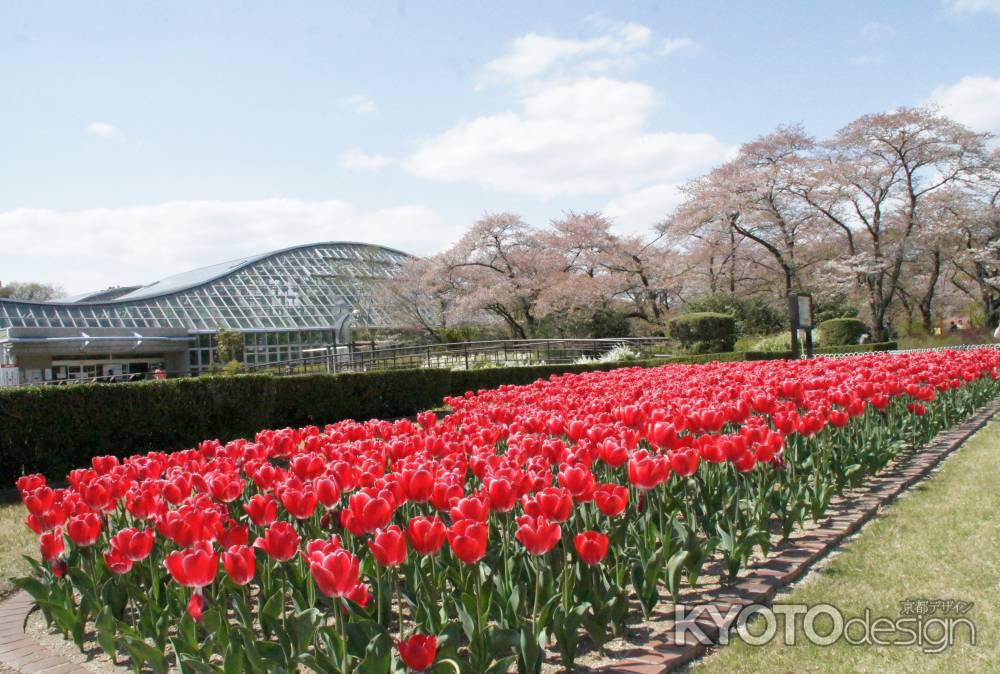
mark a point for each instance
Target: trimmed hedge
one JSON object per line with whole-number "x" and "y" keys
{"x": 842, "y": 331}
{"x": 704, "y": 332}
{"x": 57, "y": 428}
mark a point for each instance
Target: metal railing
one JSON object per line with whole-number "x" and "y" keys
{"x": 461, "y": 355}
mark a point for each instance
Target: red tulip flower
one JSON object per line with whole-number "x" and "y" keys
{"x": 502, "y": 495}
{"x": 611, "y": 499}
{"x": 225, "y": 487}
{"x": 239, "y": 563}
{"x": 359, "y": 594}
{"x": 336, "y": 573}
{"x": 646, "y": 471}
{"x": 388, "y": 546}
{"x": 51, "y": 544}
{"x": 553, "y": 503}
{"x": 418, "y": 484}
{"x": 133, "y": 545}
{"x": 470, "y": 508}
{"x": 578, "y": 480}
{"x": 280, "y": 541}
{"x": 117, "y": 561}
{"x": 262, "y": 509}
{"x": 426, "y": 534}
{"x": 468, "y": 540}
{"x": 300, "y": 503}
{"x": 685, "y": 463}
{"x": 537, "y": 534}
{"x": 84, "y": 529}
{"x": 39, "y": 501}
{"x": 366, "y": 512}
{"x": 327, "y": 491}
{"x": 195, "y": 566}
{"x": 418, "y": 652}
{"x": 592, "y": 546}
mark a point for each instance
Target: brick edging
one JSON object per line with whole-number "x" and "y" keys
{"x": 23, "y": 653}
{"x": 662, "y": 654}
{"x": 20, "y": 651}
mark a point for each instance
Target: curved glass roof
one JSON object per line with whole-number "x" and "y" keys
{"x": 314, "y": 286}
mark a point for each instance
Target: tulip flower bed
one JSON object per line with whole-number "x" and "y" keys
{"x": 529, "y": 518}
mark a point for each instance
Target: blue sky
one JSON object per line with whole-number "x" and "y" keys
{"x": 141, "y": 139}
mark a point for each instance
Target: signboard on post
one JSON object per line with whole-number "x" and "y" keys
{"x": 800, "y": 310}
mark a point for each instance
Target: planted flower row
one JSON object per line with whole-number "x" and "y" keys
{"x": 528, "y": 517}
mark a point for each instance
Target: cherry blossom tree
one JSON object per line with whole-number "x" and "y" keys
{"x": 884, "y": 167}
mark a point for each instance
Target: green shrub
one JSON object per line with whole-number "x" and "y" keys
{"x": 753, "y": 315}
{"x": 704, "y": 332}
{"x": 779, "y": 342}
{"x": 842, "y": 331}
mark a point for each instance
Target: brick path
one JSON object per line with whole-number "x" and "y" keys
{"x": 659, "y": 654}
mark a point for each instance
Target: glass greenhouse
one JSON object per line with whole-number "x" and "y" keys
{"x": 281, "y": 302}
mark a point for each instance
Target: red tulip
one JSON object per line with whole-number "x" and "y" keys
{"x": 84, "y": 529}
{"x": 839, "y": 419}
{"x": 426, "y": 534}
{"x": 327, "y": 491}
{"x": 502, "y": 496}
{"x": 117, "y": 561}
{"x": 26, "y": 483}
{"x": 336, "y": 573}
{"x": 578, "y": 480}
{"x": 418, "y": 651}
{"x": 51, "y": 544}
{"x": 195, "y": 566}
{"x": 646, "y": 471}
{"x": 321, "y": 547}
{"x": 537, "y": 534}
{"x": 359, "y": 594}
{"x": 133, "y": 545}
{"x": 39, "y": 501}
{"x": 239, "y": 562}
{"x": 300, "y": 503}
{"x": 234, "y": 534}
{"x": 196, "y": 605}
{"x": 663, "y": 435}
{"x": 280, "y": 541}
{"x": 684, "y": 463}
{"x": 611, "y": 499}
{"x": 418, "y": 484}
{"x": 592, "y": 546}
{"x": 468, "y": 540}
{"x": 225, "y": 487}
{"x": 388, "y": 546}
{"x": 262, "y": 509}
{"x": 470, "y": 508}
{"x": 366, "y": 513}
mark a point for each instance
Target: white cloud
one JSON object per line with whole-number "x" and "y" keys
{"x": 672, "y": 45}
{"x": 584, "y": 136}
{"x": 534, "y": 55}
{"x": 141, "y": 244}
{"x": 973, "y": 6}
{"x": 876, "y": 31}
{"x": 361, "y": 104}
{"x": 356, "y": 159}
{"x": 973, "y": 100}
{"x": 637, "y": 211}
{"x": 102, "y": 130}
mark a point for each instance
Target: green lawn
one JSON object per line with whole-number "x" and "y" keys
{"x": 940, "y": 542}
{"x": 16, "y": 540}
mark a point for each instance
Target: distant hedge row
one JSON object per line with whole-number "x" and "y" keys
{"x": 54, "y": 429}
